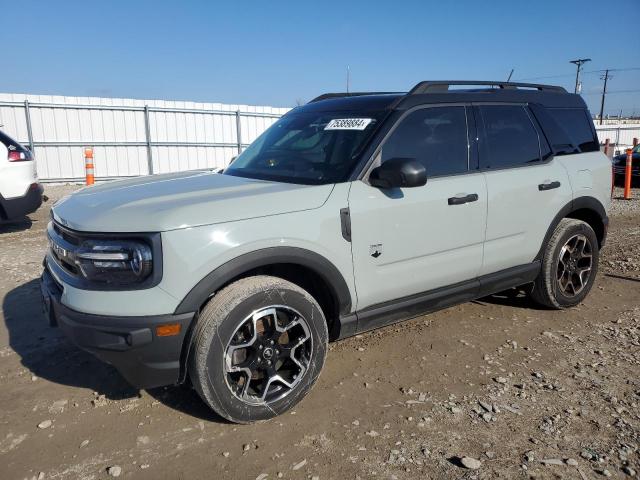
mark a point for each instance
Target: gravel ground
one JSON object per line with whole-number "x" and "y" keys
{"x": 620, "y": 206}
{"x": 492, "y": 388}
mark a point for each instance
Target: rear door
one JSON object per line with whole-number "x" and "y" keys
{"x": 412, "y": 240}
{"x": 526, "y": 186}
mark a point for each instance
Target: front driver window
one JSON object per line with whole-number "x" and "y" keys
{"x": 436, "y": 137}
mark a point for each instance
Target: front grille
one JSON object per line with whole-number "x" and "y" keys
{"x": 66, "y": 234}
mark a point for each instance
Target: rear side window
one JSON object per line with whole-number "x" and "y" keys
{"x": 510, "y": 139}
{"x": 436, "y": 137}
{"x": 578, "y": 126}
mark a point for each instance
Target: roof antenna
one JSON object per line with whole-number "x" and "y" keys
{"x": 348, "y": 77}
{"x": 509, "y": 79}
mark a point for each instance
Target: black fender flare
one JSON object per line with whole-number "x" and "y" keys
{"x": 199, "y": 294}
{"x": 589, "y": 203}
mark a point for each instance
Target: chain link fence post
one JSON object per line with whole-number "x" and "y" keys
{"x": 27, "y": 116}
{"x": 238, "y": 132}
{"x": 147, "y": 132}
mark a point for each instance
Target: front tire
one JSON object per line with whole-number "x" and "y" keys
{"x": 569, "y": 265}
{"x": 258, "y": 347}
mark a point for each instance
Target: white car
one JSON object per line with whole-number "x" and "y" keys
{"x": 20, "y": 190}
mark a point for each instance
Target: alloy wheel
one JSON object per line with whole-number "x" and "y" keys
{"x": 574, "y": 265}
{"x": 268, "y": 355}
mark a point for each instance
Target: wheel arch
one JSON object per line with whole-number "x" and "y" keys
{"x": 588, "y": 209}
{"x": 276, "y": 259}
{"x": 305, "y": 268}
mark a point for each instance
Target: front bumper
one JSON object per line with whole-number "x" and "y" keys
{"x": 130, "y": 344}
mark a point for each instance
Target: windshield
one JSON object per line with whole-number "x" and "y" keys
{"x": 313, "y": 148}
{"x": 636, "y": 149}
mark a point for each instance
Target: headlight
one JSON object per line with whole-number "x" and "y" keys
{"x": 103, "y": 261}
{"x": 117, "y": 262}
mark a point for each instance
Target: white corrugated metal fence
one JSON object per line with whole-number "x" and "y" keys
{"x": 620, "y": 135}
{"x": 138, "y": 137}
{"x": 130, "y": 137}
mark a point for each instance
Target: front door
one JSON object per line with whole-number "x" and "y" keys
{"x": 412, "y": 240}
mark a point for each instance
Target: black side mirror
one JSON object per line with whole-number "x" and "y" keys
{"x": 398, "y": 173}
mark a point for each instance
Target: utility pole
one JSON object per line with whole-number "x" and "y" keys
{"x": 605, "y": 77}
{"x": 578, "y": 63}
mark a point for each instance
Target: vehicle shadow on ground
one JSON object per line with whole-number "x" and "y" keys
{"x": 15, "y": 225}
{"x": 49, "y": 355}
{"x": 185, "y": 399}
{"x": 622, "y": 277}
{"x": 510, "y": 298}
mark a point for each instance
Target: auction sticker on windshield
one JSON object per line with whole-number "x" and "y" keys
{"x": 348, "y": 124}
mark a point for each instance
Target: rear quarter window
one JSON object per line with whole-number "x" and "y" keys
{"x": 578, "y": 126}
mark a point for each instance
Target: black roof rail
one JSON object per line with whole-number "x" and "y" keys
{"x": 326, "y": 96}
{"x": 442, "y": 86}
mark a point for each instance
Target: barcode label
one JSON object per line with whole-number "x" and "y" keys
{"x": 348, "y": 124}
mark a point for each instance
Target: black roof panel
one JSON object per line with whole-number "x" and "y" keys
{"x": 362, "y": 102}
{"x": 433, "y": 92}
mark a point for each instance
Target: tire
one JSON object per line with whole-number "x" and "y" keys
{"x": 233, "y": 334}
{"x": 554, "y": 287}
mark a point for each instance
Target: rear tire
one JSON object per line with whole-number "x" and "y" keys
{"x": 258, "y": 347}
{"x": 569, "y": 265}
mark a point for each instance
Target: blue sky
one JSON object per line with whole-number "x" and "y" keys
{"x": 281, "y": 52}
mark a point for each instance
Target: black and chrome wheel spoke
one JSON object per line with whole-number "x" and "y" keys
{"x": 574, "y": 265}
{"x": 268, "y": 355}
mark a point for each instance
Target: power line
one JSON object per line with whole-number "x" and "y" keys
{"x": 615, "y": 70}
{"x": 583, "y": 72}
{"x": 612, "y": 91}
{"x": 545, "y": 77}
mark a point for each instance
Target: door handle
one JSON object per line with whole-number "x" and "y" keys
{"x": 548, "y": 186}
{"x": 472, "y": 197}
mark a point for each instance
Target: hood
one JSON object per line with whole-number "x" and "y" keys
{"x": 159, "y": 203}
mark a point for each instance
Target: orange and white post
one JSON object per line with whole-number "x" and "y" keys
{"x": 88, "y": 165}
{"x": 627, "y": 175}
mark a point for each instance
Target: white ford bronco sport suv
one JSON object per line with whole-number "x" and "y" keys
{"x": 351, "y": 212}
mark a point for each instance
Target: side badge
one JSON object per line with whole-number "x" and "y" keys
{"x": 375, "y": 250}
